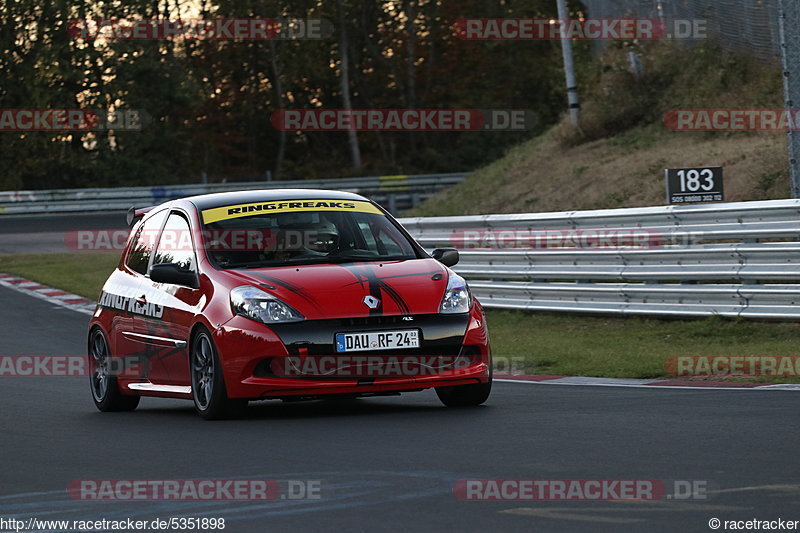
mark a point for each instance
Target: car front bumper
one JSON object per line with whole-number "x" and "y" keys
{"x": 262, "y": 362}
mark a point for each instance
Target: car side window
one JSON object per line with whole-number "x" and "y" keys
{"x": 389, "y": 244}
{"x": 144, "y": 242}
{"x": 381, "y": 237}
{"x": 366, "y": 233}
{"x": 175, "y": 243}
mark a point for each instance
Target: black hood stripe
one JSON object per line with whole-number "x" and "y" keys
{"x": 400, "y": 276}
{"x": 395, "y": 296}
{"x": 373, "y": 285}
{"x": 291, "y": 287}
{"x": 377, "y": 286}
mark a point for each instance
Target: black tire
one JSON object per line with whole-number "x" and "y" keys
{"x": 465, "y": 395}
{"x": 103, "y": 384}
{"x": 208, "y": 384}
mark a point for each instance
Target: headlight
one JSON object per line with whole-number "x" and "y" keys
{"x": 260, "y": 306}
{"x": 457, "y": 298}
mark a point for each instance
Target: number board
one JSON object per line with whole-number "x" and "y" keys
{"x": 693, "y": 185}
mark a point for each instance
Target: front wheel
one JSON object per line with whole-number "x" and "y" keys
{"x": 208, "y": 384}
{"x": 105, "y": 390}
{"x": 465, "y": 395}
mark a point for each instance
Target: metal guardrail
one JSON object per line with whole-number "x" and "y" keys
{"x": 393, "y": 192}
{"x": 732, "y": 259}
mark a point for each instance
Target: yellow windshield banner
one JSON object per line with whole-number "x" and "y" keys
{"x": 286, "y": 206}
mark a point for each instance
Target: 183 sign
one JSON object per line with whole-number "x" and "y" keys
{"x": 692, "y": 185}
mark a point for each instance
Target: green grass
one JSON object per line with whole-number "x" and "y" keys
{"x": 82, "y": 274}
{"x": 540, "y": 343}
{"x": 577, "y": 345}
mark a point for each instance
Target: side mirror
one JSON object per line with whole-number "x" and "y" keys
{"x": 446, "y": 256}
{"x": 174, "y": 274}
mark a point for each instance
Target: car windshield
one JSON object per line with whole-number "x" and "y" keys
{"x": 301, "y": 232}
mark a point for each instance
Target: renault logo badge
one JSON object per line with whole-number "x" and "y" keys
{"x": 371, "y": 302}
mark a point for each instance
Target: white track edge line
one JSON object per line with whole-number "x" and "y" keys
{"x": 772, "y": 386}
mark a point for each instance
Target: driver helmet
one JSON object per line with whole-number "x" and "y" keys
{"x": 322, "y": 237}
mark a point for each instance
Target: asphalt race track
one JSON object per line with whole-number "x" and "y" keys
{"x": 45, "y": 233}
{"x": 391, "y": 464}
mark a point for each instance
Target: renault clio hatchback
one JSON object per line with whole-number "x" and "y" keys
{"x": 282, "y": 294}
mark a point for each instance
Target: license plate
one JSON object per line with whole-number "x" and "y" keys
{"x": 377, "y": 340}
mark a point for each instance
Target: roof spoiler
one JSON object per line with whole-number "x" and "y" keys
{"x": 135, "y": 214}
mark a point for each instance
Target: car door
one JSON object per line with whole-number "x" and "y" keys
{"x": 129, "y": 288}
{"x": 121, "y": 288}
{"x": 170, "y": 310}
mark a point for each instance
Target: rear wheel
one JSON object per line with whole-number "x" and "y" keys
{"x": 105, "y": 389}
{"x": 465, "y": 395}
{"x": 208, "y": 384}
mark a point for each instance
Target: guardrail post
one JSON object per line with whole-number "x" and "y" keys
{"x": 569, "y": 67}
{"x": 789, "y": 27}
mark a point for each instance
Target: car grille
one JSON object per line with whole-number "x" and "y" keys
{"x": 440, "y": 335}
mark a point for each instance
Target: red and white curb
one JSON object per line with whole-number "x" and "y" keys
{"x": 49, "y": 294}
{"x": 659, "y": 383}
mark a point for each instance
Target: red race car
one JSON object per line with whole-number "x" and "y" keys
{"x": 282, "y": 294}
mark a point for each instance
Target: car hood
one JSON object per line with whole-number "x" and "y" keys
{"x": 350, "y": 289}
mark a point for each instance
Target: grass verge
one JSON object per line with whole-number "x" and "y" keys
{"x": 629, "y": 347}
{"x": 546, "y": 343}
{"x": 82, "y": 274}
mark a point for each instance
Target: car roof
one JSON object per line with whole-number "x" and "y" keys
{"x": 220, "y": 199}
